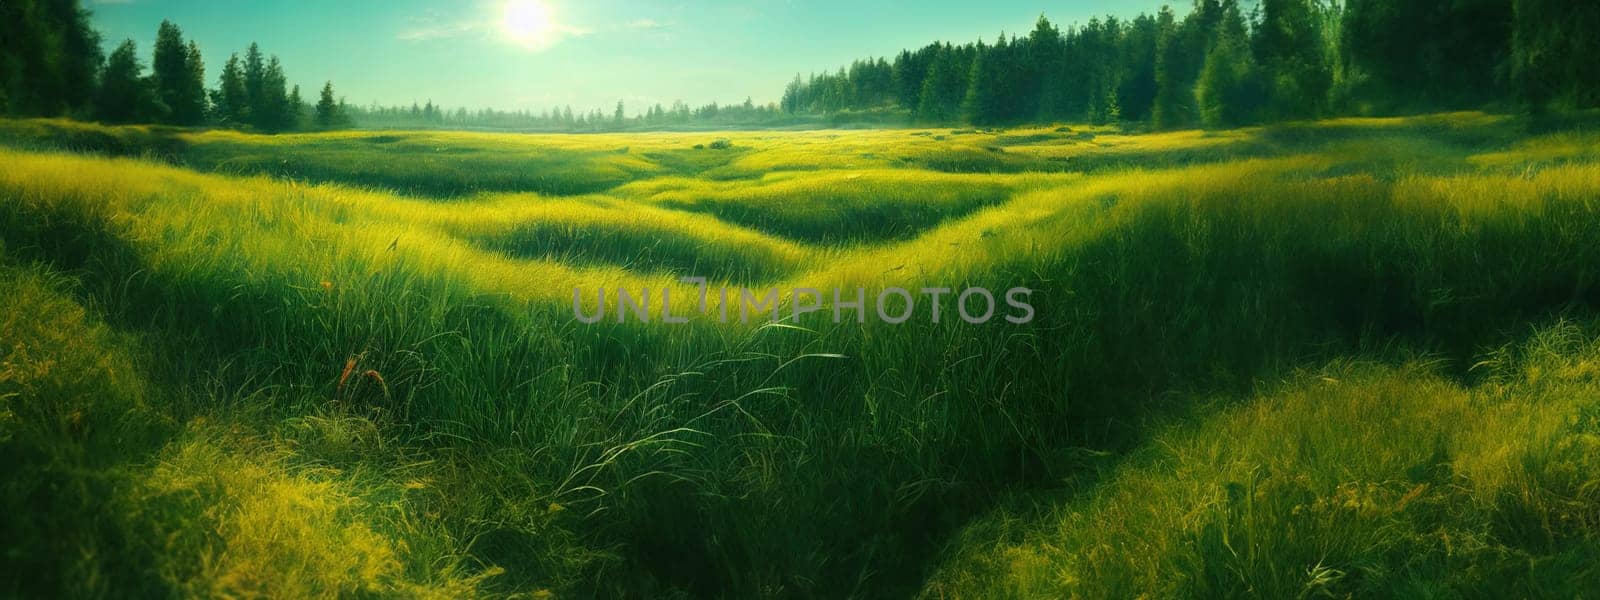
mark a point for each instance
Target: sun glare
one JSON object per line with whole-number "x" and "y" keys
{"x": 527, "y": 22}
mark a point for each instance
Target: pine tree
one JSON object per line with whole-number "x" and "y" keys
{"x": 233, "y": 101}
{"x": 1048, "y": 50}
{"x": 1168, "y": 112}
{"x": 1012, "y": 80}
{"x": 294, "y": 110}
{"x": 1290, "y": 50}
{"x": 1099, "y": 41}
{"x": 125, "y": 95}
{"x": 907, "y": 76}
{"x": 181, "y": 95}
{"x": 195, "y": 86}
{"x": 1178, "y": 45}
{"x": 791, "y": 95}
{"x": 982, "y": 105}
{"x": 255, "y": 72}
{"x": 328, "y": 113}
{"x": 1136, "y": 94}
{"x": 270, "y": 113}
{"x": 1227, "y": 93}
{"x": 945, "y": 86}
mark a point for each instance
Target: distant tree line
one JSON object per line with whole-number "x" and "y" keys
{"x": 1219, "y": 66}
{"x": 51, "y": 64}
{"x": 564, "y": 119}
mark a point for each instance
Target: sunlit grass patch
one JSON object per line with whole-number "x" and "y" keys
{"x": 1355, "y": 479}
{"x": 423, "y": 164}
{"x": 695, "y": 161}
{"x": 817, "y": 150}
{"x": 1039, "y": 223}
{"x": 1090, "y": 151}
{"x": 627, "y": 234}
{"x": 1529, "y": 156}
{"x": 229, "y": 515}
{"x": 62, "y": 374}
{"x": 259, "y": 226}
{"x": 830, "y": 206}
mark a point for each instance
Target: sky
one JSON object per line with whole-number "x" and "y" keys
{"x": 538, "y": 54}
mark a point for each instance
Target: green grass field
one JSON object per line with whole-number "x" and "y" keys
{"x": 1350, "y": 358}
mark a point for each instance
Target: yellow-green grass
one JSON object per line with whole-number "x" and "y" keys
{"x": 1354, "y": 480}
{"x": 411, "y": 368}
{"x": 95, "y": 506}
{"x": 456, "y": 164}
{"x": 640, "y": 237}
{"x": 835, "y": 206}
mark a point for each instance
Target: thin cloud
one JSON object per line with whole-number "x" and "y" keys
{"x": 446, "y": 31}
{"x": 646, "y": 25}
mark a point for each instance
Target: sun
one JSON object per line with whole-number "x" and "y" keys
{"x": 527, "y": 22}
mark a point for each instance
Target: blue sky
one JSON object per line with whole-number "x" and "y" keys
{"x": 586, "y": 53}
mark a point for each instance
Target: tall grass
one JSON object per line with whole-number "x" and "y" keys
{"x": 410, "y": 370}
{"x": 1350, "y": 480}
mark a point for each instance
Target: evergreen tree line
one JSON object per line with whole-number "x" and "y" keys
{"x": 1221, "y": 65}
{"x": 51, "y": 64}
{"x": 564, "y": 119}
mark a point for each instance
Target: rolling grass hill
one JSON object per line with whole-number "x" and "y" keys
{"x": 1345, "y": 357}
